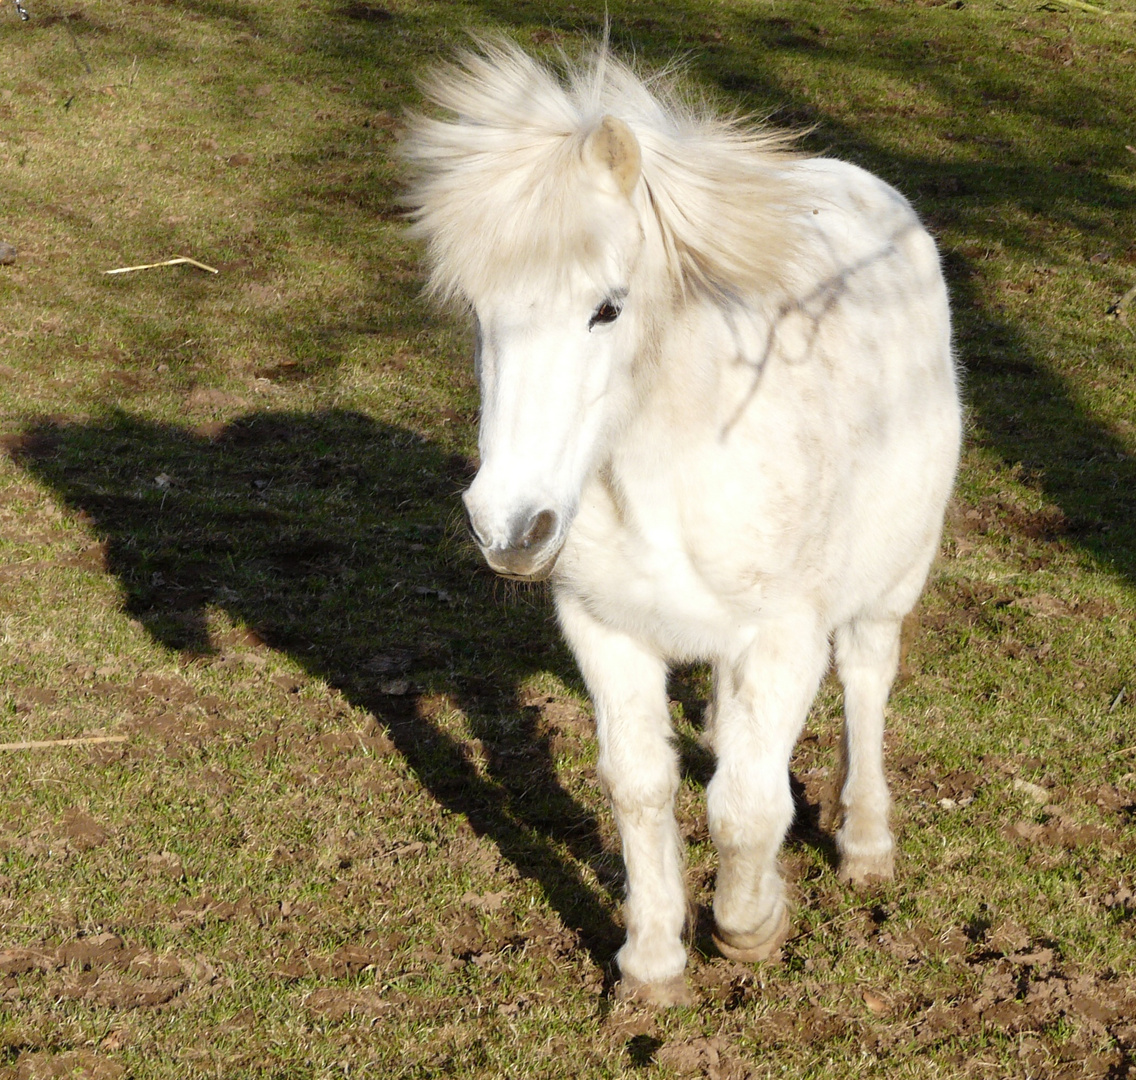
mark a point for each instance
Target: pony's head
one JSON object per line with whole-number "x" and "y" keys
{"x": 567, "y": 216}
{"x": 554, "y": 349}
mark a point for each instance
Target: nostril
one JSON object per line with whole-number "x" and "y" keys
{"x": 541, "y": 528}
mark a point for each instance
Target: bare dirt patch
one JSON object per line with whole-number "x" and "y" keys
{"x": 69, "y": 1065}
{"x": 82, "y": 831}
{"x": 101, "y": 970}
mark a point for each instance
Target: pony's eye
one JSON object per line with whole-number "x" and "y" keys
{"x": 607, "y": 312}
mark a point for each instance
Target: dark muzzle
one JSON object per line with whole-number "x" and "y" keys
{"x": 531, "y": 550}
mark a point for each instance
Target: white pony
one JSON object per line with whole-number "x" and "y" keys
{"x": 720, "y": 412}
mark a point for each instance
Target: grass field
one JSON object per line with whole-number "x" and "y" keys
{"x": 350, "y": 825}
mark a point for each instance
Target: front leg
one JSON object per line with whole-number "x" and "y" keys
{"x": 638, "y": 768}
{"x": 761, "y": 699}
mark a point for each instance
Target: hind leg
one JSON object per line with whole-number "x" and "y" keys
{"x": 638, "y": 768}
{"x": 761, "y": 704}
{"x": 867, "y": 656}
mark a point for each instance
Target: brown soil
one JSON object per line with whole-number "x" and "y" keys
{"x": 100, "y": 970}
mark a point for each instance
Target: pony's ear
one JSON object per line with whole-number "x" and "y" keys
{"x": 611, "y": 149}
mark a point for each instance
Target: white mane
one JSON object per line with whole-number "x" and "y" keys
{"x": 493, "y": 185}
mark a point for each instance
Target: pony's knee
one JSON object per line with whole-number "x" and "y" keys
{"x": 868, "y": 643}
{"x": 647, "y": 780}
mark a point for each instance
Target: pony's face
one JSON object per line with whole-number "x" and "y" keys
{"x": 554, "y": 357}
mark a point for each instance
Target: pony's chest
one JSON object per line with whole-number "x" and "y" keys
{"x": 654, "y": 594}
{"x": 654, "y": 566}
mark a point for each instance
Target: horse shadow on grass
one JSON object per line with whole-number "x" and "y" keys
{"x": 334, "y": 539}
{"x": 331, "y": 537}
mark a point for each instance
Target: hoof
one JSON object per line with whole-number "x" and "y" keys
{"x": 750, "y": 948}
{"x": 860, "y": 871}
{"x": 666, "y": 994}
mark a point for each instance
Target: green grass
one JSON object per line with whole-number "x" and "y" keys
{"x": 354, "y": 827}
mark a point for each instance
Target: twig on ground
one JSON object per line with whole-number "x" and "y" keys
{"x": 1080, "y": 5}
{"x": 48, "y": 744}
{"x": 1121, "y": 695}
{"x": 167, "y": 262}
